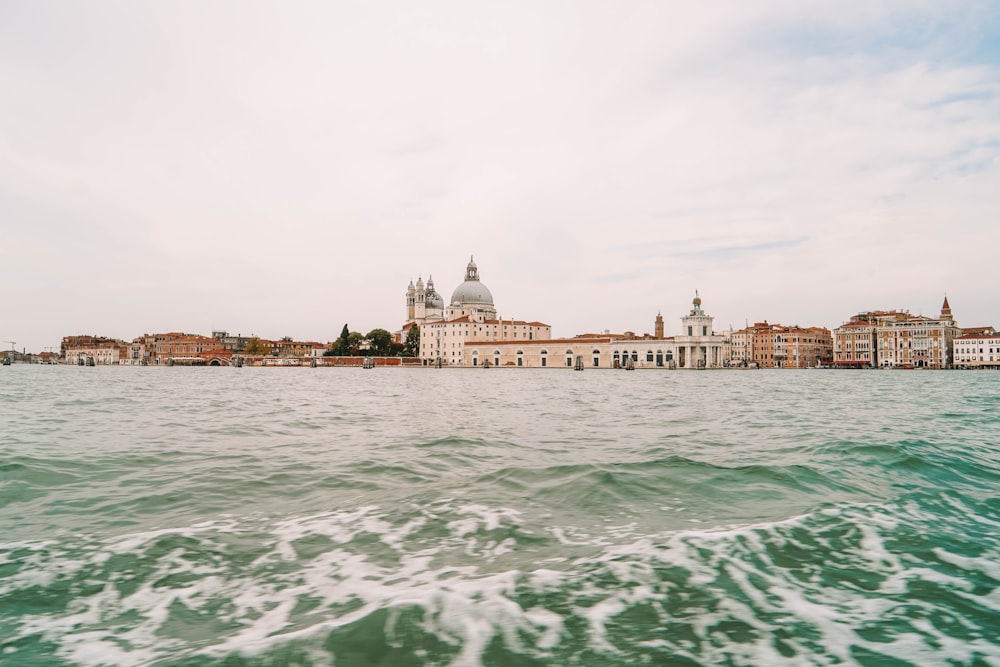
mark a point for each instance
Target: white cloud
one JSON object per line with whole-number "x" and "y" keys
{"x": 285, "y": 169}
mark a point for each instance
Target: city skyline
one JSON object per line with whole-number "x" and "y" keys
{"x": 284, "y": 170}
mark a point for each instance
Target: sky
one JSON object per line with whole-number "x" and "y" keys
{"x": 281, "y": 169}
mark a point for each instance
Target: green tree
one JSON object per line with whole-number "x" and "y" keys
{"x": 380, "y": 342}
{"x": 412, "y": 344}
{"x": 257, "y": 347}
{"x": 352, "y": 344}
{"x": 340, "y": 346}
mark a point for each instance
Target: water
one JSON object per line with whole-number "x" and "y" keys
{"x": 195, "y": 516}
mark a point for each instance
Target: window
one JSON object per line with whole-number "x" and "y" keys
{"x": 649, "y": 355}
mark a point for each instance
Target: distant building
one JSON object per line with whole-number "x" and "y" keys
{"x": 765, "y": 345}
{"x": 855, "y": 342}
{"x": 915, "y": 341}
{"x": 977, "y": 348}
{"x": 896, "y": 339}
{"x": 701, "y": 349}
{"x": 177, "y": 346}
{"x": 469, "y": 317}
{"x": 79, "y": 349}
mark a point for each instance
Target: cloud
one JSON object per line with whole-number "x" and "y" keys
{"x": 790, "y": 160}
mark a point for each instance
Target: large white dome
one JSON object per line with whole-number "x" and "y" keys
{"x": 472, "y": 291}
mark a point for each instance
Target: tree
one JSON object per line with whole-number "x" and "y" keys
{"x": 380, "y": 342}
{"x": 412, "y": 343}
{"x": 339, "y": 348}
{"x": 352, "y": 343}
{"x": 257, "y": 347}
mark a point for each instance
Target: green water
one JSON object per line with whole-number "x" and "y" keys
{"x": 194, "y": 516}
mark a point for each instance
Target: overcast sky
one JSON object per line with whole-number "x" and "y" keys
{"x": 284, "y": 168}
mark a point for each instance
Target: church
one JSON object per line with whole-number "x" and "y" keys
{"x": 469, "y": 317}
{"x": 468, "y": 332}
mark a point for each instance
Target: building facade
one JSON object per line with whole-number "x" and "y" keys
{"x": 701, "y": 348}
{"x": 765, "y": 345}
{"x": 80, "y": 349}
{"x": 469, "y": 317}
{"x": 915, "y": 341}
{"x": 978, "y": 349}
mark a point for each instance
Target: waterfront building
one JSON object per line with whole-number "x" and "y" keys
{"x": 739, "y": 347}
{"x": 78, "y": 349}
{"x": 977, "y": 348}
{"x": 470, "y": 316}
{"x": 593, "y": 352}
{"x": 175, "y": 345}
{"x": 697, "y": 347}
{"x": 765, "y": 345}
{"x": 915, "y": 341}
{"x": 855, "y": 342}
{"x": 230, "y": 342}
{"x": 895, "y": 339}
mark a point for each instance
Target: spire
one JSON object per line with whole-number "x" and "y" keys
{"x": 946, "y": 309}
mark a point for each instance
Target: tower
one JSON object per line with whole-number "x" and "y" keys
{"x": 419, "y": 307}
{"x": 696, "y": 323}
{"x": 411, "y": 297}
{"x": 658, "y": 326}
{"x": 946, "y": 310}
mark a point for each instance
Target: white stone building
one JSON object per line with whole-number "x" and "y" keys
{"x": 702, "y": 348}
{"x": 470, "y": 316}
{"x": 978, "y": 350}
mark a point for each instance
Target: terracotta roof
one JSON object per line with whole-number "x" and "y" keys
{"x": 979, "y": 336}
{"x": 538, "y": 343}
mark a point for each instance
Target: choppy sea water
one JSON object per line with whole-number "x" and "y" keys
{"x": 349, "y": 517}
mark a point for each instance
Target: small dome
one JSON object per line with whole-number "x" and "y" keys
{"x": 697, "y": 300}
{"x": 434, "y": 300}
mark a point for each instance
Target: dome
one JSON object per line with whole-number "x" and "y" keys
{"x": 434, "y": 300}
{"x": 472, "y": 290}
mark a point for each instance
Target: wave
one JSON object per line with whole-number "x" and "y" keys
{"x": 457, "y": 584}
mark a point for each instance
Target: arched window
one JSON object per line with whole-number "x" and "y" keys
{"x": 544, "y": 352}
{"x": 597, "y": 351}
{"x": 569, "y": 351}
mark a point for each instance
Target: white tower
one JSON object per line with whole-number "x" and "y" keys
{"x": 696, "y": 323}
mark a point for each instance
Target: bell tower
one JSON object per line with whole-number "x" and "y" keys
{"x": 658, "y": 326}
{"x": 946, "y": 311}
{"x": 411, "y": 296}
